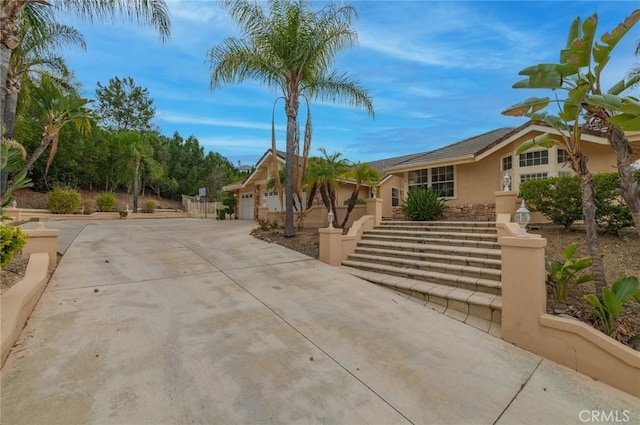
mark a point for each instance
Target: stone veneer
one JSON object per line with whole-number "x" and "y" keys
{"x": 465, "y": 212}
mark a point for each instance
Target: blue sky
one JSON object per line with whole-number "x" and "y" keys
{"x": 438, "y": 72}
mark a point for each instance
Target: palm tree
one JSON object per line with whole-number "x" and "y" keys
{"x": 325, "y": 173}
{"x": 148, "y": 12}
{"x": 60, "y": 109}
{"x": 291, "y": 49}
{"x": 362, "y": 173}
{"x": 38, "y": 53}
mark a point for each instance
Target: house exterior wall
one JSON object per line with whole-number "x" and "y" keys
{"x": 394, "y": 181}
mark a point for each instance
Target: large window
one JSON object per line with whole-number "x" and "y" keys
{"x": 395, "y": 197}
{"x": 530, "y": 159}
{"x": 418, "y": 179}
{"x": 532, "y": 176}
{"x": 442, "y": 181}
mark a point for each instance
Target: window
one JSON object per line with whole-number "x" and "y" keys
{"x": 395, "y": 197}
{"x": 442, "y": 181}
{"x": 530, "y": 159}
{"x": 565, "y": 174}
{"x": 418, "y": 179}
{"x": 532, "y": 176}
{"x": 507, "y": 163}
{"x": 563, "y": 156}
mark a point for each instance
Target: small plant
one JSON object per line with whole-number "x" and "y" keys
{"x": 106, "y": 202}
{"x": 124, "y": 213}
{"x": 613, "y": 301}
{"x": 88, "y": 206}
{"x": 266, "y": 224}
{"x": 12, "y": 239}
{"x": 563, "y": 275}
{"x": 150, "y": 206}
{"x": 64, "y": 200}
{"x": 423, "y": 205}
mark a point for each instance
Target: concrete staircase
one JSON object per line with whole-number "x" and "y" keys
{"x": 451, "y": 267}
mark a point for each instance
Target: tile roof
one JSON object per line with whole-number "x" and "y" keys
{"x": 467, "y": 147}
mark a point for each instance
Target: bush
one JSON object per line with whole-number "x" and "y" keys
{"x": 359, "y": 201}
{"x": 12, "y": 239}
{"x": 106, "y": 202}
{"x": 423, "y": 205}
{"x": 612, "y": 214}
{"x": 557, "y": 198}
{"x": 89, "y": 206}
{"x": 150, "y": 206}
{"x": 64, "y": 200}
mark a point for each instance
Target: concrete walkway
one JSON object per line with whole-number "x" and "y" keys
{"x": 194, "y": 321}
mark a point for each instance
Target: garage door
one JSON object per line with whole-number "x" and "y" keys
{"x": 246, "y": 206}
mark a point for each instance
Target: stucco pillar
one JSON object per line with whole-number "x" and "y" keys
{"x": 42, "y": 239}
{"x": 14, "y": 213}
{"x": 506, "y": 202}
{"x": 374, "y": 208}
{"x": 330, "y": 246}
{"x": 523, "y": 288}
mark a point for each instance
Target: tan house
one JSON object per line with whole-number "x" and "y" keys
{"x": 467, "y": 173}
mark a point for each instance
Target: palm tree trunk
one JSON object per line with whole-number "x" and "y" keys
{"x": 325, "y": 197}
{"x": 136, "y": 170}
{"x": 291, "y": 109}
{"x": 332, "y": 198}
{"x": 311, "y": 194}
{"x": 629, "y": 189}
{"x": 579, "y": 165}
{"x": 13, "y": 86}
{"x": 10, "y": 23}
{"x": 352, "y": 203}
{"x": 44, "y": 144}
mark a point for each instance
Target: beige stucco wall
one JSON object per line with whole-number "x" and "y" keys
{"x": 385, "y": 193}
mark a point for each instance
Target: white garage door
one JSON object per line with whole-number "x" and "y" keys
{"x": 246, "y": 206}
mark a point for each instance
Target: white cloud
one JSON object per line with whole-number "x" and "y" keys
{"x": 177, "y": 118}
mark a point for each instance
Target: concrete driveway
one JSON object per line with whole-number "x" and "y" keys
{"x": 194, "y": 321}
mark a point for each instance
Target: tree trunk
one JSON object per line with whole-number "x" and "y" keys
{"x": 10, "y": 24}
{"x": 324, "y": 193}
{"x": 136, "y": 170}
{"x": 291, "y": 109}
{"x": 579, "y": 165}
{"x": 13, "y": 87}
{"x": 311, "y": 195}
{"x": 352, "y": 203}
{"x": 46, "y": 141}
{"x": 332, "y": 198}
{"x": 629, "y": 189}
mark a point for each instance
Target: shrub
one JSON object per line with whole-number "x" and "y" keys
{"x": 64, "y": 200}
{"x": 557, "y": 198}
{"x": 563, "y": 275}
{"x": 613, "y": 301}
{"x": 89, "y": 206}
{"x": 359, "y": 201}
{"x": 106, "y": 202}
{"x": 150, "y": 206}
{"x": 423, "y": 205}
{"x": 12, "y": 239}
{"x": 612, "y": 214}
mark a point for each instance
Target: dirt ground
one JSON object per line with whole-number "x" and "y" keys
{"x": 621, "y": 257}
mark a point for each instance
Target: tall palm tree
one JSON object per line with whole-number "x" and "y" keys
{"x": 362, "y": 173}
{"x": 60, "y": 109}
{"x": 325, "y": 173}
{"x": 290, "y": 48}
{"x": 148, "y": 12}
{"x": 37, "y": 54}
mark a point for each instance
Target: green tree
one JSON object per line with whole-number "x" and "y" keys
{"x": 362, "y": 173}
{"x": 60, "y": 109}
{"x": 124, "y": 106}
{"x": 290, "y": 48}
{"x": 325, "y": 173}
{"x": 153, "y": 13}
{"x": 578, "y": 74}
{"x": 134, "y": 149}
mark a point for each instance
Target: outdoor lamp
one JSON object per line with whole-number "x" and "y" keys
{"x": 373, "y": 191}
{"x": 330, "y": 217}
{"x": 522, "y": 217}
{"x": 14, "y": 204}
{"x": 506, "y": 182}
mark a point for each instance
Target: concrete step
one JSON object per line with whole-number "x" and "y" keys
{"x": 477, "y": 309}
{"x": 432, "y": 234}
{"x": 471, "y": 243}
{"x": 443, "y": 250}
{"x": 433, "y": 266}
{"x": 472, "y": 283}
{"x": 444, "y": 259}
{"x": 438, "y": 228}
